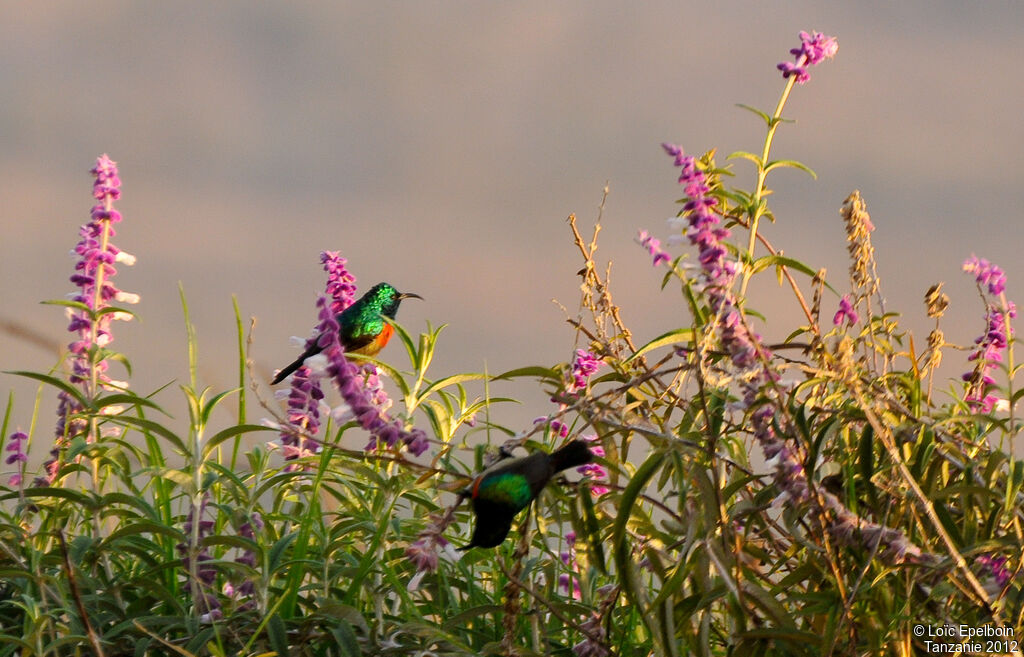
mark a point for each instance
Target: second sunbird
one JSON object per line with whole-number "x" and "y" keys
{"x": 363, "y": 328}
{"x": 508, "y": 487}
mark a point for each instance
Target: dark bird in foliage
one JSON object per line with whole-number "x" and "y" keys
{"x": 362, "y": 327}
{"x": 508, "y": 487}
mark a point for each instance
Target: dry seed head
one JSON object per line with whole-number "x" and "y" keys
{"x": 847, "y": 362}
{"x": 936, "y": 301}
{"x": 819, "y": 284}
{"x": 858, "y": 234}
{"x": 936, "y": 340}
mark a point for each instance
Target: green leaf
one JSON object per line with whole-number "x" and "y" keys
{"x": 745, "y": 156}
{"x": 78, "y": 305}
{"x": 593, "y": 532}
{"x": 866, "y": 461}
{"x": 143, "y": 527}
{"x": 765, "y": 117}
{"x": 210, "y": 405}
{"x": 151, "y": 427}
{"x": 410, "y": 346}
{"x": 537, "y": 371}
{"x": 82, "y": 499}
{"x": 179, "y": 477}
{"x": 277, "y": 551}
{"x": 126, "y": 398}
{"x": 230, "y": 432}
{"x": 1016, "y": 480}
{"x": 812, "y": 455}
{"x": 123, "y": 499}
{"x": 459, "y": 620}
{"x": 793, "y": 164}
{"x": 345, "y": 639}
{"x": 450, "y": 381}
{"x": 115, "y": 309}
{"x": 278, "y": 635}
{"x": 942, "y": 511}
{"x": 628, "y": 575}
{"x": 672, "y": 337}
{"x": 347, "y": 613}
{"x": 78, "y": 395}
{"x": 764, "y": 262}
{"x": 119, "y": 358}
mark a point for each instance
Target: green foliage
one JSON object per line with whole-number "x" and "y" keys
{"x": 814, "y": 499}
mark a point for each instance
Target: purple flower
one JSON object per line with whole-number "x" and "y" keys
{"x": 584, "y": 365}
{"x": 996, "y": 566}
{"x": 653, "y": 247}
{"x": 588, "y": 647}
{"x": 846, "y": 311}
{"x": 702, "y": 223}
{"x": 558, "y": 427}
{"x": 814, "y": 49}
{"x": 737, "y": 339}
{"x": 717, "y": 272}
{"x": 424, "y": 551}
{"x": 987, "y": 356}
{"x": 987, "y": 274}
{"x": 93, "y": 275}
{"x": 992, "y": 343}
{"x": 17, "y": 448}
{"x": 788, "y": 470}
{"x": 569, "y": 559}
{"x": 341, "y": 285}
{"x": 789, "y": 68}
{"x": 595, "y": 472}
{"x": 304, "y": 400}
{"x": 246, "y": 589}
{"x": 563, "y": 584}
{"x": 416, "y": 441}
{"x": 305, "y": 397}
{"x": 195, "y": 559}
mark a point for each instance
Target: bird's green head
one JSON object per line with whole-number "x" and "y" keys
{"x": 386, "y": 299}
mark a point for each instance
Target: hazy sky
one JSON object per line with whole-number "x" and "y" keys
{"x": 440, "y": 147}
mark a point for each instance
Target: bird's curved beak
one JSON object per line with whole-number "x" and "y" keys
{"x": 409, "y": 295}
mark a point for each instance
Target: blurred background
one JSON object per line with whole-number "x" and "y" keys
{"x": 441, "y": 146}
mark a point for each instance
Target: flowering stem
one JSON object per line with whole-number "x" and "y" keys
{"x": 97, "y": 299}
{"x": 94, "y": 371}
{"x": 762, "y": 174}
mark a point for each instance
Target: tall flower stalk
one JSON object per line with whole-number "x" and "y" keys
{"x": 305, "y": 396}
{"x": 91, "y": 312}
{"x": 995, "y": 341}
{"x": 748, "y": 357}
{"x": 814, "y": 48}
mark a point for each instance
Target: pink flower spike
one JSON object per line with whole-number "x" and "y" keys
{"x": 814, "y": 48}
{"x": 653, "y": 247}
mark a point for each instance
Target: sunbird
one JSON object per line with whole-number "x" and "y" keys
{"x": 507, "y": 487}
{"x": 362, "y": 327}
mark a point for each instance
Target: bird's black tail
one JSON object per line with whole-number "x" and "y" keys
{"x": 296, "y": 364}
{"x": 571, "y": 454}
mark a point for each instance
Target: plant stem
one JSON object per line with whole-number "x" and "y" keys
{"x": 762, "y": 173}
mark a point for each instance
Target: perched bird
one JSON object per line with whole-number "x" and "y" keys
{"x": 508, "y": 487}
{"x": 362, "y": 328}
